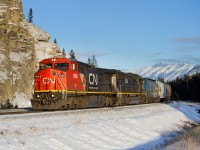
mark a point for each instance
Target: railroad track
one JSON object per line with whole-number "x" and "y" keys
{"x": 30, "y": 111}
{"x": 17, "y": 111}
{"x": 11, "y": 113}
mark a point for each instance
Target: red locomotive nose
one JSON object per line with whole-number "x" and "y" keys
{"x": 44, "y": 80}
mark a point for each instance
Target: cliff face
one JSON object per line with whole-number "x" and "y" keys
{"x": 22, "y": 45}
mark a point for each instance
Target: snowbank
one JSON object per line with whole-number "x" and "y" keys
{"x": 21, "y": 100}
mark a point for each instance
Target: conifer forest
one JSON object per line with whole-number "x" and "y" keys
{"x": 186, "y": 88}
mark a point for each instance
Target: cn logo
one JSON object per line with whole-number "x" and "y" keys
{"x": 93, "y": 79}
{"x": 75, "y": 76}
{"x": 48, "y": 80}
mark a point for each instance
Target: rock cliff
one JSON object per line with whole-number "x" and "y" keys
{"x": 22, "y": 45}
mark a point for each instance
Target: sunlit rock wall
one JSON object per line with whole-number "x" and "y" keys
{"x": 22, "y": 45}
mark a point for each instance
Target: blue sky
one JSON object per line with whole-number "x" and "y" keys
{"x": 122, "y": 34}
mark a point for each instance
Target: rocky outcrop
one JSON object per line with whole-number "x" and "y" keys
{"x": 22, "y": 45}
{"x": 43, "y": 48}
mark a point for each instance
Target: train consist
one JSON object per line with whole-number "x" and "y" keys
{"x": 61, "y": 83}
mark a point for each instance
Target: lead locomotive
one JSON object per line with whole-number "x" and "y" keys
{"x": 61, "y": 83}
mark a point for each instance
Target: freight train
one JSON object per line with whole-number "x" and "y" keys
{"x": 61, "y": 83}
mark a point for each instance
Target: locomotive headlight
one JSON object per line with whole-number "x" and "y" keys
{"x": 38, "y": 96}
{"x": 51, "y": 94}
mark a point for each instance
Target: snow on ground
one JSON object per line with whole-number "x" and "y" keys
{"x": 130, "y": 127}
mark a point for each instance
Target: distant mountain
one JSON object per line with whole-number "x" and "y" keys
{"x": 194, "y": 70}
{"x": 166, "y": 71}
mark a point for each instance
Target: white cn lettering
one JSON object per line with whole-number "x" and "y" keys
{"x": 93, "y": 80}
{"x": 48, "y": 80}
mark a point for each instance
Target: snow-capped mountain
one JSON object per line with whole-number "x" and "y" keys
{"x": 166, "y": 71}
{"x": 194, "y": 70}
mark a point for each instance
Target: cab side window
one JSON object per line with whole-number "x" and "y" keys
{"x": 44, "y": 66}
{"x": 73, "y": 67}
{"x": 61, "y": 66}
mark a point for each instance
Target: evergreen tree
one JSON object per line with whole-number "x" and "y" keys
{"x": 92, "y": 61}
{"x": 186, "y": 88}
{"x": 72, "y": 55}
{"x": 55, "y": 41}
{"x": 89, "y": 61}
{"x": 161, "y": 79}
{"x": 64, "y": 53}
{"x": 30, "y": 16}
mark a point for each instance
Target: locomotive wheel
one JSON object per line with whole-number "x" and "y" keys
{"x": 123, "y": 102}
{"x": 77, "y": 103}
{"x": 67, "y": 106}
{"x": 111, "y": 104}
{"x": 106, "y": 102}
{"x": 76, "y": 106}
{"x": 72, "y": 106}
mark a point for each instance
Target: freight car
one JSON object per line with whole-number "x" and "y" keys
{"x": 156, "y": 90}
{"x": 61, "y": 83}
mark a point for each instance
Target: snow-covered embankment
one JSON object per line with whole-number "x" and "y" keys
{"x": 131, "y": 127}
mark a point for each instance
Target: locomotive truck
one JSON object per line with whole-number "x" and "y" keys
{"x": 61, "y": 83}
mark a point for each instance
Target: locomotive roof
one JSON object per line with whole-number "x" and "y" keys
{"x": 149, "y": 79}
{"x": 86, "y": 65}
{"x": 55, "y": 59}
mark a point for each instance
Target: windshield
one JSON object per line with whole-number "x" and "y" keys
{"x": 43, "y": 66}
{"x": 61, "y": 66}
